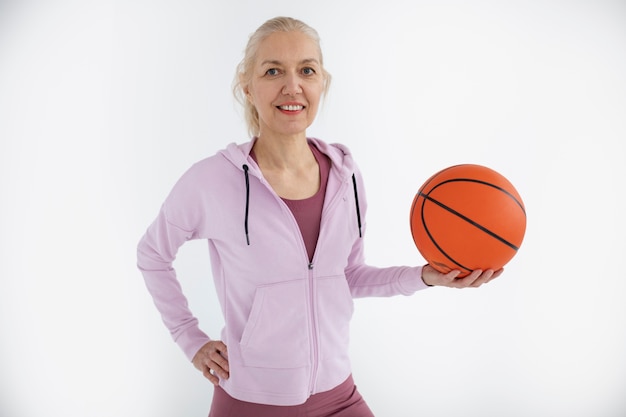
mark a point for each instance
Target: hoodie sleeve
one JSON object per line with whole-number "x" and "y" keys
{"x": 156, "y": 253}
{"x": 369, "y": 281}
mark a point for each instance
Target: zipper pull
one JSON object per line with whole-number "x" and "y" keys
{"x": 310, "y": 266}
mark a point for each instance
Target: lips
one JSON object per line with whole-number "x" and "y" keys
{"x": 290, "y": 107}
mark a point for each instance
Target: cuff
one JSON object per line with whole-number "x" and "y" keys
{"x": 411, "y": 281}
{"x": 191, "y": 341}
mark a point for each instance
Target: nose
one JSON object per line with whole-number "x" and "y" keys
{"x": 292, "y": 85}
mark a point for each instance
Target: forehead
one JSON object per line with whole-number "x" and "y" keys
{"x": 288, "y": 47}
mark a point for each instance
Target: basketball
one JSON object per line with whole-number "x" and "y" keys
{"x": 467, "y": 217}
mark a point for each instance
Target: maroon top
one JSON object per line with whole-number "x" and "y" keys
{"x": 308, "y": 211}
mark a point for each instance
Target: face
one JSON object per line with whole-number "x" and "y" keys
{"x": 286, "y": 84}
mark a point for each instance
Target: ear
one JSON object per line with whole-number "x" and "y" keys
{"x": 245, "y": 88}
{"x": 246, "y": 91}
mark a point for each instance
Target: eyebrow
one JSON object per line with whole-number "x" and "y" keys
{"x": 304, "y": 61}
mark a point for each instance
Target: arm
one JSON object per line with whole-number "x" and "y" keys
{"x": 155, "y": 255}
{"x": 367, "y": 281}
{"x": 180, "y": 219}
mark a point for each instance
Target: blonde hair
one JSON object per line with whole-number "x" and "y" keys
{"x": 243, "y": 73}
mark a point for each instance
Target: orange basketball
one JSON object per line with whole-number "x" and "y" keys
{"x": 467, "y": 217}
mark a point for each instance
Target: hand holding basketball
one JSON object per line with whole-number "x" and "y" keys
{"x": 475, "y": 279}
{"x": 467, "y": 217}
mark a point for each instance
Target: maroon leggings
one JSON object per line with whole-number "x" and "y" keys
{"x": 342, "y": 401}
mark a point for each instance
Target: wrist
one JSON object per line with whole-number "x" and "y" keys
{"x": 424, "y": 279}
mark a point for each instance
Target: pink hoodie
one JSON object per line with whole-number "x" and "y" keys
{"x": 286, "y": 320}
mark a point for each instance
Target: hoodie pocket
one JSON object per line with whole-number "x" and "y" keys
{"x": 277, "y": 332}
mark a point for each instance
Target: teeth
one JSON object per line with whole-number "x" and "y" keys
{"x": 291, "y": 108}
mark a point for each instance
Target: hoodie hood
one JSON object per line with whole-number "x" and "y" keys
{"x": 340, "y": 156}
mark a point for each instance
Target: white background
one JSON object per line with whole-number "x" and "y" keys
{"x": 103, "y": 105}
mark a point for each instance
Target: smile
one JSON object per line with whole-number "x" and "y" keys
{"x": 291, "y": 107}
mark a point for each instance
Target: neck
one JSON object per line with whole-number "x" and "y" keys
{"x": 283, "y": 152}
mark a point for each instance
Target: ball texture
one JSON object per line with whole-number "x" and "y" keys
{"x": 467, "y": 217}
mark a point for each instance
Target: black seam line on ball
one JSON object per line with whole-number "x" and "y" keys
{"x": 472, "y": 222}
{"x": 504, "y": 190}
{"x": 432, "y": 238}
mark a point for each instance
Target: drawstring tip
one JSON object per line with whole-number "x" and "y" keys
{"x": 247, "y": 239}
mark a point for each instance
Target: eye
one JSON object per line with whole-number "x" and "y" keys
{"x": 272, "y": 72}
{"x": 308, "y": 71}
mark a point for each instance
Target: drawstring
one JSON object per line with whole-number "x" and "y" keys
{"x": 356, "y": 199}
{"x": 245, "y": 224}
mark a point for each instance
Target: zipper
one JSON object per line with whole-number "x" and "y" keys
{"x": 310, "y": 266}
{"x": 314, "y": 331}
{"x": 312, "y": 293}
{"x": 313, "y": 326}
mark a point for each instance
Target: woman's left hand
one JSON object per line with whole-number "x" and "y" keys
{"x": 475, "y": 279}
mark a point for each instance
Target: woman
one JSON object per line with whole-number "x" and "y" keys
{"x": 284, "y": 217}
